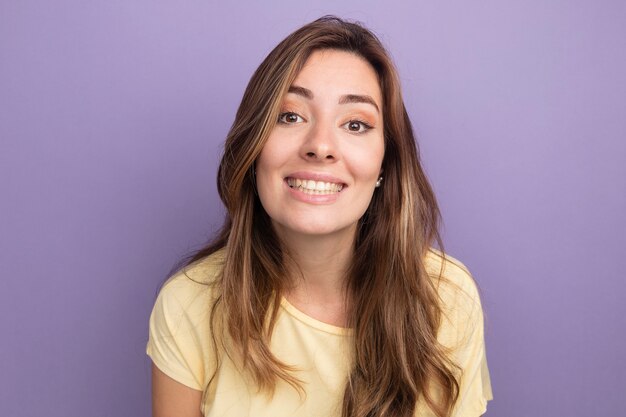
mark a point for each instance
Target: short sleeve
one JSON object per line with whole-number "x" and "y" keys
{"x": 179, "y": 340}
{"x": 462, "y": 333}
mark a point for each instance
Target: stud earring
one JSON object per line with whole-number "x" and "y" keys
{"x": 379, "y": 182}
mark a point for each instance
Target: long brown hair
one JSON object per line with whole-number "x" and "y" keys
{"x": 394, "y": 310}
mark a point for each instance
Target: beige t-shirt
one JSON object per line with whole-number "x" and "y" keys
{"x": 180, "y": 345}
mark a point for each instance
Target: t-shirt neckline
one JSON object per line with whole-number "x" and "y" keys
{"x": 311, "y": 322}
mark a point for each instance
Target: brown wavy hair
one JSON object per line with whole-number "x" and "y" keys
{"x": 394, "y": 310}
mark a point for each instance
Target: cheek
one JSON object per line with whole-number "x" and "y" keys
{"x": 367, "y": 163}
{"x": 266, "y": 192}
{"x": 268, "y": 170}
{"x": 268, "y": 159}
{"x": 276, "y": 151}
{"x": 264, "y": 170}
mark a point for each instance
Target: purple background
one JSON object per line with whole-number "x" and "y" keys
{"x": 112, "y": 115}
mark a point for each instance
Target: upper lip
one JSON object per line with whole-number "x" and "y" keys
{"x": 316, "y": 176}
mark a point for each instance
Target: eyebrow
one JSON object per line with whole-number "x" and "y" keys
{"x": 345, "y": 99}
{"x": 301, "y": 91}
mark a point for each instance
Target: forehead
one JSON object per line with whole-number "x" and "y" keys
{"x": 335, "y": 72}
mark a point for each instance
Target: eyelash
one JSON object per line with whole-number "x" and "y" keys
{"x": 365, "y": 125}
{"x": 287, "y": 113}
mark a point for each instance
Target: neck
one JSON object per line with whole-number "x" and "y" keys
{"x": 318, "y": 265}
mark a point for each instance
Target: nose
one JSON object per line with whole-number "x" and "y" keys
{"x": 320, "y": 144}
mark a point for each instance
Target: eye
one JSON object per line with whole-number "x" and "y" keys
{"x": 357, "y": 126}
{"x": 290, "y": 118}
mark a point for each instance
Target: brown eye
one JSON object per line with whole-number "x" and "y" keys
{"x": 356, "y": 126}
{"x": 289, "y": 118}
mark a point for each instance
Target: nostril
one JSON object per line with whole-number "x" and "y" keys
{"x": 310, "y": 154}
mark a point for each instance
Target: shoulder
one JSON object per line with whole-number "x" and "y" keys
{"x": 442, "y": 264}
{"x": 458, "y": 294}
{"x": 461, "y": 331}
{"x": 180, "y": 333}
{"x": 194, "y": 283}
{"x": 451, "y": 276}
{"x": 205, "y": 271}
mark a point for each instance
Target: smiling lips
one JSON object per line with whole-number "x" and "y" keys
{"x": 314, "y": 187}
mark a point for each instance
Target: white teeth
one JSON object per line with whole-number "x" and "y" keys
{"x": 314, "y": 187}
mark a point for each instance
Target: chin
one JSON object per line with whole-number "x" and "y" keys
{"x": 318, "y": 229}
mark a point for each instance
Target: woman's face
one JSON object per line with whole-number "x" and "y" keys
{"x": 317, "y": 172}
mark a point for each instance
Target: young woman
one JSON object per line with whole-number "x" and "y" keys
{"x": 322, "y": 294}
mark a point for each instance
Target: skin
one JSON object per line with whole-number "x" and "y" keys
{"x": 170, "y": 398}
{"x": 322, "y": 130}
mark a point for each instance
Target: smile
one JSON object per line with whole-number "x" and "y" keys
{"x": 314, "y": 187}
